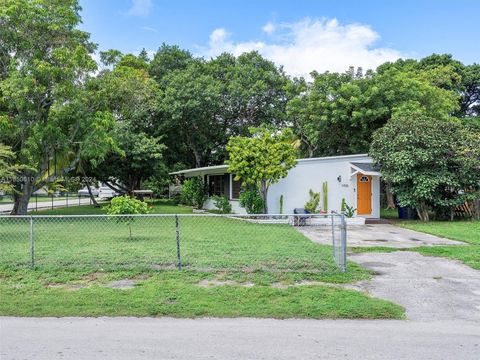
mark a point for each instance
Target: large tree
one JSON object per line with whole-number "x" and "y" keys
{"x": 432, "y": 164}
{"x": 45, "y": 61}
{"x": 204, "y": 103}
{"x": 132, "y": 96}
{"x": 338, "y": 113}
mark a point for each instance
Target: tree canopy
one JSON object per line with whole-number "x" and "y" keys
{"x": 133, "y": 118}
{"x": 261, "y": 160}
{"x": 433, "y": 165}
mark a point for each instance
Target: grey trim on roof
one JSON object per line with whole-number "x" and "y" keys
{"x": 370, "y": 167}
{"x": 365, "y": 168}
{"x": 224, "y": 168}
{"x": 200, "y": 170}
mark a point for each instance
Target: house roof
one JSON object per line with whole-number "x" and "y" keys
{"x": 223, "y": 168}
{"x": 366, "y": 168}
{"x": 201, "y": 170}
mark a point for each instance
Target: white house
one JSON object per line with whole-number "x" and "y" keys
{"x": 349, "y": 177}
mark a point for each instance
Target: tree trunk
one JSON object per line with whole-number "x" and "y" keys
{"x": 264, "y": 192}
{"x": 389, "y": 194}
{"x": 94, "y": 201}
{"x": 198, "y": 158}
{"x": 422, "y": 212}
{"x": 476, "y": 209}
{"x": 21, "y": 198}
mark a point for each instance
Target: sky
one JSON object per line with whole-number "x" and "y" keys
{"x": 301, "y": 35}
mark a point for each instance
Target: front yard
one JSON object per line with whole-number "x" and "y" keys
{"x": 230, "y": 268}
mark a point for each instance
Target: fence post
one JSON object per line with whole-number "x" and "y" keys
{"x": 333, "y": 236}
{"x": 177, "y": 228}
{"x": 344, "y": 243}
{"x": 32, "y": 241}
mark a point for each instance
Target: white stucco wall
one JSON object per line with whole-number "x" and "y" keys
{"x": 310, "y": 174}
{"x": 236, "y": 208}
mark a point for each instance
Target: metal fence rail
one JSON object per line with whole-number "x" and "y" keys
{"x": 199, "y": 242}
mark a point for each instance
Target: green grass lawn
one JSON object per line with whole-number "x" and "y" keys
{"x": 467, "y": 231}
{"x": 259, "y": 268}
{"x": 156, "y": 207}
{"x": 388, "y": 213}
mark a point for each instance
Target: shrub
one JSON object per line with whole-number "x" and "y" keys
{"x": 125, "y": 205}
{"x": 222, "y": 204}
{"x": 194, "y": 192}
{"x": 347, "y": 210}
{"x": 251, "y": 200}
{"x": 281, "y": 204}
{"x": 312, "y": 204}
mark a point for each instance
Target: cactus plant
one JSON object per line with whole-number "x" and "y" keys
{"x": 312, "y": 204}
{"x": 281, "y": 204}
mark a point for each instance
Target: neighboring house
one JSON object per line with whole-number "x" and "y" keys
{"x": 349, "y": 177}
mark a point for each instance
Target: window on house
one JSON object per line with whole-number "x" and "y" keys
{"x": 364, "y": 179}
{"x": 216, "y": 185}
{"x": 236, "y": 187}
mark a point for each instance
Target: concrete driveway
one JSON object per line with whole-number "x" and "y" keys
{"x": 430, "y": 288}
{"x": 233, "y": 339}
{"x": 377, "y": 235}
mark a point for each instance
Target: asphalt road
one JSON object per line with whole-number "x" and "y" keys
{"x": 167, "y": 338}
{"x": 5, "y": 208}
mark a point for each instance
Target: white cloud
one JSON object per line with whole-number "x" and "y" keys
{"x": 150, "y": 29}
{"x": 269, "y": 28}
{"x": 140, "y": 8}
{"x": 306, "y": 45}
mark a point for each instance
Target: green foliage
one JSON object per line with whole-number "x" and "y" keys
{"x": 126, "y": 205}
{"x": 325, "y": 196}
{"x": 222, "y": 204}
{"x": 128, "y": 92}
{"x": 194, "y": 192}
{"x": 7, "y": 170}
{"x": 347, "y": 210}
{"x": 45, "y": 109}
{"x": 261, "y": 160}
{"x": 281, "y": 204}
{"x": 337, "y": 113}
{"x": 312, "y": 204}
{"x": 432, "y": 164}
{"x": 343, "y": 206}
{"x": 204, "y": 103}
{"x": 251, "y": 200}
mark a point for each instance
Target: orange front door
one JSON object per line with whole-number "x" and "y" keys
{"x": 364, "y": 194}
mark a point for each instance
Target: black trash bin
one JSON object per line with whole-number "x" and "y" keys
{"x": 301, "y": 219}
{"x": 406, "y": 213}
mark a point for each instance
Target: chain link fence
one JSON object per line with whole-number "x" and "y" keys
{"x": 199, "y": 242}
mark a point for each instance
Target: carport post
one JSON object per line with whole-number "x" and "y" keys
{"x": 32, "y": 241}
{"x": 177, "y": 228}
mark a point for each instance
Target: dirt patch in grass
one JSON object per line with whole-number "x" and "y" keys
{"x": 123, "y": 284}
{"x": 95, "y": 276}
{"x": 218, "y": 282}
{"x": 69, "y": 287}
